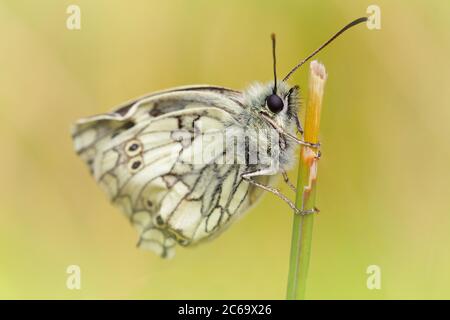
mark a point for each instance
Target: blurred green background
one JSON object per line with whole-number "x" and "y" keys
{"x": 384, "y": 176}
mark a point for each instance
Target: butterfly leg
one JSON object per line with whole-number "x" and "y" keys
{"x": 287, "y": 134}
{"x": 298, "y": 124}
{"x": 278, "y": 193}
{"x": 286, "y": 178}
{"x": 288, "y": 182}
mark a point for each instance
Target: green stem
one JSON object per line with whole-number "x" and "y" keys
{"x": 306, "y": 188}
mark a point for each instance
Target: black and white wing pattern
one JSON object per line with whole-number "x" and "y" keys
{"x": 160, "y": 158}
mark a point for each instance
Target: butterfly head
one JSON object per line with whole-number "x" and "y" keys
{"x": 280, "y": 106}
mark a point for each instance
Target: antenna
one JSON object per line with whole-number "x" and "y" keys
{"x": 272, "y": 36}
{"x": 348, "y": 26}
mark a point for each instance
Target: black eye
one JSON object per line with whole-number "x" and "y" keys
{"x": 274, "y": 103}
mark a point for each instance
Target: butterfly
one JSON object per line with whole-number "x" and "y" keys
{"x": 184, "y": 164}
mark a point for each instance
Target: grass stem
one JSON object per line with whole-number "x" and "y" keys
{"x": 306, "y": 187}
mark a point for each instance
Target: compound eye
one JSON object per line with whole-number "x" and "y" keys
{"x": 274, "y": 103}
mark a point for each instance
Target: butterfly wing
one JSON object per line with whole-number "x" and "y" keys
{"x": 161, "y": 159}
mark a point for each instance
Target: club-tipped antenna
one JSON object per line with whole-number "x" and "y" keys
{"x": 272, "y": 36}
{"x": 348, "y": 26}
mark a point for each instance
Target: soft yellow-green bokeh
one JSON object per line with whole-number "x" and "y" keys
{"x": 384, "y": 188}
